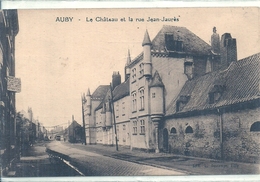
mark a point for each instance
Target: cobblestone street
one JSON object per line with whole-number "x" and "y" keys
{"x": 183, "y": 164}
{"x": 93, "y": 163}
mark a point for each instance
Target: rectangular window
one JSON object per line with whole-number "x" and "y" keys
{"x": 169, "y": 42}
{"x": 141, "y": 93}
{"x": 135, "y": 127}
{"x": 134, "y": 74}
{"x": 142, "y": 126}
{"x": 123, "y": 108}
{"x": 153, "y": 95}
{"x": 124, "y": 127}
{"x": 134, "y": 102}
{"x": 141, "y": 69}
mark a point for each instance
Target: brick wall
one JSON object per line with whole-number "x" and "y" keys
{"x": 239, "y": 144}
{"x": 203, "y": 142}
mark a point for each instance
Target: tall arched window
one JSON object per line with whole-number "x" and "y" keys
{"x": 173, "y": 130}
{"x": 189, "y": 130}
{"x": 255, "y": 126}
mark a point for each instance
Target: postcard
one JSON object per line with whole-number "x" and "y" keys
{"x": 130, "y": 92}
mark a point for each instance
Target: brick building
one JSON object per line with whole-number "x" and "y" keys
{"x": 8, "y": 30}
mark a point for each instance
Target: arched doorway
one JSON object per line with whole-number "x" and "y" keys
{"x": 165, "y": 140}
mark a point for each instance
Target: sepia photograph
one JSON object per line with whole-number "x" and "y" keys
{"x": 129, "y": 92}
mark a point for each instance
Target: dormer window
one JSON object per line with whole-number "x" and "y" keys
{"x": 215, "y": 93}
{"x": 179, "y": 45}
{"x": 171, "y": 44}
{"x": 181, "y": 102}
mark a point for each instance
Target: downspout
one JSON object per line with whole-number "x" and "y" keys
{"x": 220, "y": 118}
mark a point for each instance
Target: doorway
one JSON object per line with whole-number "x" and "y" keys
{"x": 165, "y": 140}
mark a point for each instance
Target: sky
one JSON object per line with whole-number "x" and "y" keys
{"x": 58, "y": 61}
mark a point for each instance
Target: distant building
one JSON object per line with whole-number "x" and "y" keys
{"x": 183, "y": 96}
{"x": 90, "y": 103}
{"x": 75, "y": 132}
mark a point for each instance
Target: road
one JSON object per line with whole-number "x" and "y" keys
{"x": 36, "y": 163}
{"x": 93, "y": 164}
{"x": 96, "y": 160}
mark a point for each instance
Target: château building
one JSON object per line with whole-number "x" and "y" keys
{"x": 180, "y": 95}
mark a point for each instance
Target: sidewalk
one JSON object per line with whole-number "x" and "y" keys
{"x": 36, "y": 164}
{"x": 189, "y": 165}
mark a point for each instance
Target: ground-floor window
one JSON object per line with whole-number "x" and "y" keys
{"x": 142, "y": 126}
{"x": 189, "y": 130}
{"x": 255, "y": 126}
{"x": 173, "y": 130}
{"x": 134, "y": 127}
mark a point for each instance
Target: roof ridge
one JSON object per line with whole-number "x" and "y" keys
{"x": 256, "y": 54}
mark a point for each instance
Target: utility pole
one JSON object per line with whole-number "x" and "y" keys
{"x": 83, "y": 119}
{"x": 114, "y": 118}
{"x": 68, "y": 130}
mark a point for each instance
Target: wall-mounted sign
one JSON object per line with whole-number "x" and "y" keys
{"x": 13, "y": 84}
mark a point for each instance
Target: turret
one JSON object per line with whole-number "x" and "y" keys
{"x": 147, "y": 59}
{"x": 127, "y": 69}
{"x": 108, "y": 114}
{"x": 88, "y": 103}
{"x": 103, "y": 115}
{"x": 157, "y": 97}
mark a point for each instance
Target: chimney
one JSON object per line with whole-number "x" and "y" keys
{"x": 116, "y": 79}
{"x": 228, "y": 50}
{"x": 215, "y": 43}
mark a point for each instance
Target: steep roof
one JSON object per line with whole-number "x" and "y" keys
{"x": 156, "y": 80}
{"x": 74, "y": 124}
{"x": 121, "y": 90}
{"x": 100, "y": 92}
{"x": 192, "y": 44}
{"x": 241, "y": 80}
{"x": 104, "y": 100}
{"x": 147, "y": 40}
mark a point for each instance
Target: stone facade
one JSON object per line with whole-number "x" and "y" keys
{"x": 202, "y": 141}
{"x": 239, "y": 143}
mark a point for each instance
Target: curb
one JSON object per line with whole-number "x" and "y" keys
{"x": 153, "y": 165}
